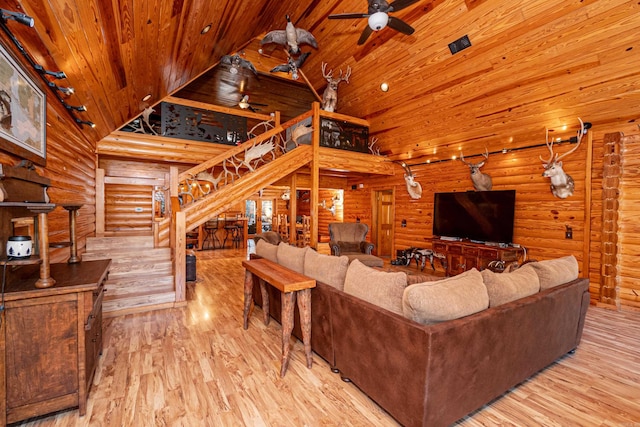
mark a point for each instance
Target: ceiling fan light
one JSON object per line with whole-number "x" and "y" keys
{"x": 244, "y": 102}
{"x": 378, "y": 21}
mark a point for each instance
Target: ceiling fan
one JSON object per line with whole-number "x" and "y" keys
{"x": 378, "y": 17}
{"x": 245, "y": 105}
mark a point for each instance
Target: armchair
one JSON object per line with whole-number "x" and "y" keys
{"x": 349, "y": 238}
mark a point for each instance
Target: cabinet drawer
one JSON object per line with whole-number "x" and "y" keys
{"x": 454, "y": 249}
{"x": 439, "y": 247}
{"x": 468, "y": 250}
{"x": 489, "y": 253}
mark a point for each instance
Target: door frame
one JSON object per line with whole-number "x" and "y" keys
{"x": 375, "y": 239}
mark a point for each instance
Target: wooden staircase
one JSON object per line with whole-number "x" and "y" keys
{"x": 140, "y": 278}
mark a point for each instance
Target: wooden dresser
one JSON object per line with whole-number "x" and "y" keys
{"x": 464, "y": 255}
{"x": 50, "y": 339}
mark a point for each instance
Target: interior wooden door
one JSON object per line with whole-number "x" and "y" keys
{"x": 383, "y": 222}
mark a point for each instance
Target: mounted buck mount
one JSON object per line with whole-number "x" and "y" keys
{"x": 330, "y": 94}
{"x": 413, "y": 188}
{"x": 562, "y": 184}
{"x": 481, "y": 181}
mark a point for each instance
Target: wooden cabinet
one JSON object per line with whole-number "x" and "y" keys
{"x": 50, "y": 339}
{"x": 463, "y": 255}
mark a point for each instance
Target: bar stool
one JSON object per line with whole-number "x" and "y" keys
{"x": 283, "y": 227}
{"x": 304, "y": 234}
{"x": 211, "y": 234}
{"x": 232, "y": 230}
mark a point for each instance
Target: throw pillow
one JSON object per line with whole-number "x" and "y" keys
{"x": 291, "y": 257}
{"x": 447, "y": 299}
{"x": 377, "y": 287}
{"x": 346, "y": 247}
{"x": 506, "y": 287}
{"x": 326, "y": 268}
{"x": 267, "y": 250}
{"x": 555, "y": 272}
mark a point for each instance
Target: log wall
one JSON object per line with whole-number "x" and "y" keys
{"x": 540, "y": 218}
{"x": 71, "y": 169}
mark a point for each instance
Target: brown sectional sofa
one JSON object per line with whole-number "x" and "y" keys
{"x": 435, "y": 374}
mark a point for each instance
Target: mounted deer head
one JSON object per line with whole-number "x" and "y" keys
{"x": 330, "y": 94}
{"x": 481, "y": 181}
{"x": 562, "y": 184}
{"x": 413, "y": 188}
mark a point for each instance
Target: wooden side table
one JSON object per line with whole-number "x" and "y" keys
{"x": 292, "y": 285}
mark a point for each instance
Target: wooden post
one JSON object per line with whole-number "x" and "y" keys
{"x": 73, "y": 209}
{"x": 45, "y": 280}
{"x": 180, "y": 259}
{"x": 99, "y": 202}
{"x": 315, "y": 174}
{"x": 586, "y": 252}
{"x": 293, "y": 209}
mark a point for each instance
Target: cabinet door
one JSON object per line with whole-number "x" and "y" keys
{"x": 42, "y": 363}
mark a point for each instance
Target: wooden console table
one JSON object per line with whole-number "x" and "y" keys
{"x": 464, "y": 255}
{"x": 50, "y": 339}
{"x": 291, "y": 285}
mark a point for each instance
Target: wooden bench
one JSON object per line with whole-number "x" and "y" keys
{"x": 291, "y": 285}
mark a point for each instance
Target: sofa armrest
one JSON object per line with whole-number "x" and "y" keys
{"x": 366, "y": 247}
{"x": 335, "y": 248}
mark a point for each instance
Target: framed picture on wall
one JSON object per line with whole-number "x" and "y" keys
{"x": 23, "y": 105}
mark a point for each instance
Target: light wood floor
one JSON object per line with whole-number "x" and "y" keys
{"x": 196, "y": 366}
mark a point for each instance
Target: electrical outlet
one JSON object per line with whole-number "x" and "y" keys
{"x": 568, "y": 234}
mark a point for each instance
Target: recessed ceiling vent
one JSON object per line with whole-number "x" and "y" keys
{"x": 460, "y": 44}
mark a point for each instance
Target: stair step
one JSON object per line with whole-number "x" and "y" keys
{"x": 141, "y": 266}
{"x": 95, "y": 244}
{"x": 130, "y": 254}
{"x": 137, "y": 303}
{"x": 136, "y": 285}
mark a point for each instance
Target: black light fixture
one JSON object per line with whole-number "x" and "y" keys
{"x": 24, "y": 19}
{"x": 65, "y": 90}
{"x": 85, "y": 122}
{"x": 56, "y": 74}
{"x": 73, "y": 107}
{"x": 17, "y": 16}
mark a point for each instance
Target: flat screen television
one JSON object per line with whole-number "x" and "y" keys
{"x": 480, "y": 216}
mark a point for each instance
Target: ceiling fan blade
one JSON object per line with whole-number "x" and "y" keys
{"x": 365, "y": 35}
{"x": 400, "y": 25}
{"x": 348, "y": 15}
{"x": 261, "y": 105}
{"x": 400, "y": 4}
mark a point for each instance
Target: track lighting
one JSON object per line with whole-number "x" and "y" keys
{"x": 65, "y": 90}
{"x": 17, "y": 16}
{"x": 56, "y": 74}
{"x": 73, "y": 107}
{"x": 57, "y": 90}
{"x": 85, "y": 122}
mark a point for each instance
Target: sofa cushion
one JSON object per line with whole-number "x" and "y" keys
{"x": 447, "y": 299}
{"x": 506, "y": 287}
{"x": 326, "y": 268}
{"x": 291, "y": 257}
{"x": 555, "y": 272}
{"x": 346, "y": 247}
{"x": 267, "y": 250}
{"x": 377, "y": 287}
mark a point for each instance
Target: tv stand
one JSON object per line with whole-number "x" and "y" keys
{"x": 465, "y": 255}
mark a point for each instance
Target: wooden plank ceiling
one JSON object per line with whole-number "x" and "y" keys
{"x": 532, "y": 63}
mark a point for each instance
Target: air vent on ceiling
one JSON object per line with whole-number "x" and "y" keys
{"x": 460, "y": 44}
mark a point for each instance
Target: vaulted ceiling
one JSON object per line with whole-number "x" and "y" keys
{"x": 531, "y": 64}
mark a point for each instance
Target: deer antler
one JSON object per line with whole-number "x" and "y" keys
{"x": 549, "y": 146}
{"x": 347, "y": 74}
{"x": 485, "y": 155}
{"x": 326, "y": 75}
{"x": 555, "y": 157}
{"x": 581, "y": 133}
